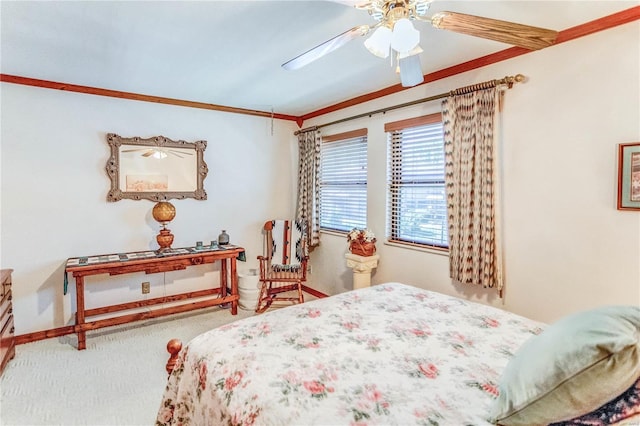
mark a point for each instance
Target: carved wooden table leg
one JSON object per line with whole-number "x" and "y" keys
{"x": 82, "y": 335}
{"x": 223, "y": 278}
{"x": 174, "y": 346}
{"x": 234, "y": 285}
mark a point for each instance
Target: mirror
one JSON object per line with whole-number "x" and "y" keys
{"x": 156, "y": 168}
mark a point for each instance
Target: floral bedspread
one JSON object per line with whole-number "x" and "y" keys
{"x": 389, "y": 354}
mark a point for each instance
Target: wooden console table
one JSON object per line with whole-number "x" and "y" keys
{"x": 152, "y": 262}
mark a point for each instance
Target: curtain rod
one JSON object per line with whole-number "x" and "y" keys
{"x": 509, "y": 81}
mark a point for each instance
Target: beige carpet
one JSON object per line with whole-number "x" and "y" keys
{"x": 117, "y": 380}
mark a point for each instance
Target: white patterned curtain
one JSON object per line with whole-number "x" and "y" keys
{"x": 308, "y": 179}
{"x": 471, "y": 179}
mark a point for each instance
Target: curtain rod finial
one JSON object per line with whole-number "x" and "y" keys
{"x": 511, "y": 80}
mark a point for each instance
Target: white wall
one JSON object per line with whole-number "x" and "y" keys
{"x": 567, "y": 248}
{"x": 54, "y": 189}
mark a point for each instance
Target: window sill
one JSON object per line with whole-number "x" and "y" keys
{"x": 409, "y": 246}
{"x": 334, "y": 233}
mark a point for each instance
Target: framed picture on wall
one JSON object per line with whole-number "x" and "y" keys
{"x": 629, "y": 176}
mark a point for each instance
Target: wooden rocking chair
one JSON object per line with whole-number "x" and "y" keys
{"x": 283, "y": 267}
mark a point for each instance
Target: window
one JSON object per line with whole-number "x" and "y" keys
{"x": 343, "y": 181}
{"x": 416, "y": 198}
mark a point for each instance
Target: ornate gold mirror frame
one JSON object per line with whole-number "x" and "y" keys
{"x": 156, "y": 169}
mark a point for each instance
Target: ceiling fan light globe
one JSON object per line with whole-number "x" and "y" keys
{"x": 404, "y": 37}
{"x": 378, "y": 43}
{"x": 410, "y": 71}
{"x": 415, "y": 51}
{"x": 159, "y": 154}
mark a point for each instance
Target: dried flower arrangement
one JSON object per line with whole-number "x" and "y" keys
{"x": 362, "y": 241}
{"x": 361, "y": 235}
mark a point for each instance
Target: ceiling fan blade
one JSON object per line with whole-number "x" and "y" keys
{"x": 148, "y": 153}
{"x": 326, "y": 47}
{"x": 410, "y": 71}
{"x": 179, "y": 153}
{"x": 526, "y": 36}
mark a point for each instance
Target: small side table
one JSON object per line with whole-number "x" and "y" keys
{"x": 362, "y": 266}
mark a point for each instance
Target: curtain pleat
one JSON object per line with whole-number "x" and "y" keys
{"x": 471, "y": 186}
{"x": 308, "y": 202}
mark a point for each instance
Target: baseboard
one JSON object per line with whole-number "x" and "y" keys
{"x": 314, "y": 292}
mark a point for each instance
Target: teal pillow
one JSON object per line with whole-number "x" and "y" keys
{"x": 573, "y": 367}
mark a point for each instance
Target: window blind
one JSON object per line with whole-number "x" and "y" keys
{"x": 343, "y": 184}
{"x": 416, "y": 198}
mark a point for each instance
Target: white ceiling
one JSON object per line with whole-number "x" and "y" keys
{"x": 230, "y": 52}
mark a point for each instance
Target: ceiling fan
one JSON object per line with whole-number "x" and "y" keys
{"x": 394, "y": 34}
{"x": 158, "y": 153}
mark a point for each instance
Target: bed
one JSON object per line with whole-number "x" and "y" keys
{"x": 389, "y": 354}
